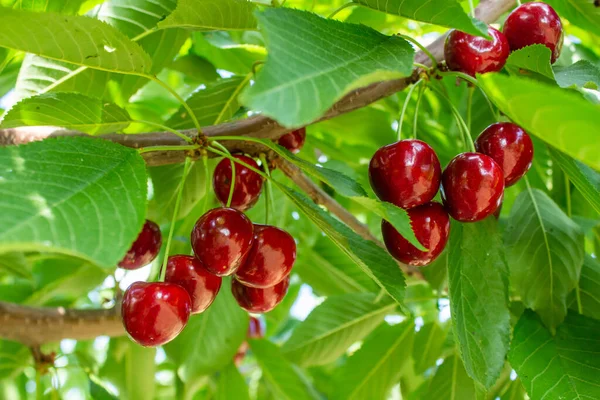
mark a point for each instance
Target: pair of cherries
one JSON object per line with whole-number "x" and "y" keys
{"x": 408, "y": 174}
{"x": 530, "y": 23}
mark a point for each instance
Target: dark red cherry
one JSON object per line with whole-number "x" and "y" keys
{"x": 257, "y": 300}
{"x": 145, "y": 248}
{"x": 222, "y": 239}
{"x": 510, "y": 146}
{"x": 406, "y": 173}
{"x": 294, "y": 140}
{"x": 431, "y": 225}
{"x": 248, "y": 184}
{"x": 256, "y": 328}
{"x": 472, "y": 187}
{"x": 474, "y": 54}
{"x": 201, "y": 285}
{"x": 155, "y": 313}
{"x": 271, "y": 259}
{"x": 534, "y": 23}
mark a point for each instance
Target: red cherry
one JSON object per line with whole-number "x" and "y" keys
{"x": 534, "y": 23}
{"x": 248, "y": 184}
{"x": 474, "y": 54}
{"x": 222, "y": 239}
{"x": 294, "y": 140}
{"x": 431, "y": 224}
{"x": 406, "y": 173}
{"x": 510, "y": 146}
{"x": 241, "y": 353}
{"x": 472, "y": 187}
{"x": 155, "y": 313}
{"x": 271, "y": 259}
{"x": 145, "y": 248}
{"x": 257, "y": 300}
{"x": 201, "y": 285}
{"x": 256, "y": 328}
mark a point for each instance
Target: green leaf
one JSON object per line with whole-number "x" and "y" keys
{"x": 534, "y": 58}
{"x": 233, "y": 57}
{"x": 231, "y": 385}
{"x": 16, "y": 264}
{"x": 375, "y": 368}
{"x": 448, "y": 13}
{"x": 217, "y": 15}
{"x": 98, "y": 391}
{"x": 305, "y": 75}
{"x": 211, "y": 339}
{"x": 428, "y": 346}
{"x": 14, "y": 357}
{"x": 582, "y": 74}
{"x": 217, "y": 102}
{"x": 451, "y": 382}
{"x": 582, "y": 13}
{"x": 478, "y": 288}
{"x": 278, "y": 372}
{"x": 60, "y": 6}
{"x": 585, "y": 179}
{"x": 564, "y": 366}
{"x": 372, "y": 259}
{"x": 73, "y": 195}
{"x": 545, "y": 254}
{"x": 75, "y": 39}
{"x": 559, "y": 117}
{"x": 333, "y": 326}
{"x": 68, "y": 110}
{"x": 586, "y": 296}
{"x": 196, "y": 69}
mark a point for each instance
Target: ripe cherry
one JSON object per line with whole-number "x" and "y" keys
{"x": 271, "y": 259}
{"x": 145, "y": 248}
{"x": 510, "y": 146}
{"x": 222, "y": 239}
{"x": 201, "y": 285}
{"x": 406, "y": 173}
{"x": 155, "y": 313}
{"x": 535, "y": 23}
{"x": 257, "y": 300}
{"x": 474, "y": 54}
{"x": 472, "y": 187}
{"x": 431, "y": 225}
{"x": 294, "y": 140}
{"x": 248, "y": 184}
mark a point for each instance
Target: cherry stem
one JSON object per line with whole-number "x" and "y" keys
{"x": 235, "y": 160}
{"x": 417, "y": 105}
{"x": 424, "y": 49}
{"x": 474, "y": 82}
{"x": 234, "y": 95}
{"x": 462, "y": 126}
{"x": 472, "y": 7}
{"x": 166, "y": 128}
{"x": 269, "y": 194}
{"x": 206, "y": 183}
{"x": 232, "y": 185}
{"x": 471, "y": 90}
{"x": 404, "y": 107}
{"x": 151, "y": 149}
{"x": 519, "y": 2}
{"x": 333, "y": 14}
{"x": 186, "y": 171}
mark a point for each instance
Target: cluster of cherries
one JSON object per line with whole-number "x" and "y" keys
{"x": 225, "y": 243}
{"x": 408, "y": 174}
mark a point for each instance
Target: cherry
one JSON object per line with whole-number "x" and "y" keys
{"x": 472, "y": 187}
{"x": 155, "y": 313}
{"x": 248, "y": 184}
{"x": 256, "y": 328}
{"x": 535, "y": 23}
{"x": 222, "y": 239}
{"x": 431, "y": 225}
{"x": 257, "y": 300}
{"x": 201, "y": 285}
{"x": 271, "y": 259}
{"x": 145, "y": 248}
{"x": 510, "y": 146}
{"x": 406, "y": 173}
{"x": 294, "y": 140}
{"x": 476, "y": 55}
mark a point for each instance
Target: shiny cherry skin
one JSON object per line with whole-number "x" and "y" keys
{"x": 431, "y": 225}
{"x": 294, "y": 140}
{"x": 257, "y": 300}
{"x": 222, "y": 239}
{"x": 271, "y": 259}
{"x": 406, "y": 173}
{"x": 534, "y": 23}
{"x": 248, "y": 184}
{"x": 472, "y": 187}
{"x": 201, "y": 285}
{"x": 155, "y": 313}
{"x": 510, "y": 146}
{"x": 474, "y": 54}
{"x": 145, "y": 248}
